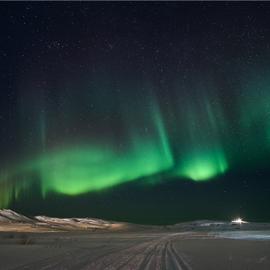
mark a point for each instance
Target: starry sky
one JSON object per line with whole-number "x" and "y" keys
{"x": 151, "y": 113}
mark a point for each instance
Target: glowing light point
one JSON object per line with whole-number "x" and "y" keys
{"x": 238, "y": 221}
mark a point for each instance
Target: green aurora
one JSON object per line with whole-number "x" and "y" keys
{"x": 145, "y": 150}
{"x": 77, "y": 170}
{"x": 188, "y": 141}
{"x": 204, "y": 165}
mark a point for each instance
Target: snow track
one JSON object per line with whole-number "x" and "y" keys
{"x": 150, "y": 254}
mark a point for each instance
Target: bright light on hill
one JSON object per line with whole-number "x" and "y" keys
{"x": 238, "y": 221}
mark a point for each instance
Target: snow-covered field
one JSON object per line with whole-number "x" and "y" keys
{"x": 248, "y": 235}
{"x": 52, "y": 243}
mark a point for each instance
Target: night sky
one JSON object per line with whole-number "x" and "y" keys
{"x": 151, "y": 113}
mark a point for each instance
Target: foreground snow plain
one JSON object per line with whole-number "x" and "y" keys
{"x": 53, "y": 243}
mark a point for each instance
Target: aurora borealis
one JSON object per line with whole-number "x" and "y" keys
{"x": 120, "y": 108}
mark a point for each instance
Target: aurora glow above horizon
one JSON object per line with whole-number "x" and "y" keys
{"x": 79, "y": 169}
{"x": 144, "y": 148}
{"x": 134, "y": 146}
{"x": 204, "y": 166}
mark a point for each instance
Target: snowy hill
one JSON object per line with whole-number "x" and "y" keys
{"x": 11, "y": 218}
{"x": 7, "y": 215}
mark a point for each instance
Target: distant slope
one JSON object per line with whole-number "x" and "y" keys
{"x": 7, "y": 215}
{"x": 11, "y": 219}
